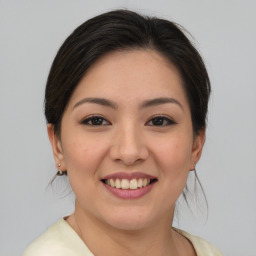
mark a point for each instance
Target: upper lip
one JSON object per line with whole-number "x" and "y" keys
{"x": 128, "y": 176}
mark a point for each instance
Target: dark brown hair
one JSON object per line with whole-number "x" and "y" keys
{"x": 125, "y": 30}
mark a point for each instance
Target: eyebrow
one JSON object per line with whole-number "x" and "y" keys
{"x": 159, "y": 101}
{"x": 145, "y": 104}
{"x": 100, "y": 101}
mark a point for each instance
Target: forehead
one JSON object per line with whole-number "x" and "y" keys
{"x": 132, "y": 75}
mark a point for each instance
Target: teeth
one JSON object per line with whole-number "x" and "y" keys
{"x": 126, "y": 184}
{"x": 118, "y": 183}
{"x": 133, "y": 184}
{"x": 145, "y": 181}
{"x": 140, "y": 183}
{"x": 112, "y": 183}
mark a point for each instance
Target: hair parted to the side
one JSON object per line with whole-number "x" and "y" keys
{"x": 123, "y": 30}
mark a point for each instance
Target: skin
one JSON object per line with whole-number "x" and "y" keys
{"x": 128, "y": 141}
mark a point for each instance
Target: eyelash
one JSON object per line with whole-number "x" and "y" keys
{"x": 164, "y": 118}
{"x": 96, "y": 117}
{"x": 89, "y": 119}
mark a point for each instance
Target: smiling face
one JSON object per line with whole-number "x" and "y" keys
{"x": 127, "y": 140}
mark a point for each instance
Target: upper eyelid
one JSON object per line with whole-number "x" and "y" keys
{"x": 93, "y": 116}
{"x": 161, "y": 116}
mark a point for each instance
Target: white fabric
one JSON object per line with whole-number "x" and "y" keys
{"x": 202, "y": 247}
{"x": 61, "y": 240}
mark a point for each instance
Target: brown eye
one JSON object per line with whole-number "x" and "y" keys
{"x": 160, "y": 121}
{"x": 95, "y": 121}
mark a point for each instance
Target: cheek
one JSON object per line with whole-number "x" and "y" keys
{"x": 83, "y": 155}
{"x": 175, "y": 163}
{"x": 174, "y": 158}
{"x": 174, "y": 154}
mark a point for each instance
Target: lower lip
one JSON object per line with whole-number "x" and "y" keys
{"x": 129, "y": 193}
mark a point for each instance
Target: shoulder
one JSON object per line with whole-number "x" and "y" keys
{"x": 59, "y": 240}
{"x": 201, "y": 246}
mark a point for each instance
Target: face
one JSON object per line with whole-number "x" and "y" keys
{"x": 127, "y": 140}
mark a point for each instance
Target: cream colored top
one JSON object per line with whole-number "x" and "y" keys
{"x": 61, "y": 240}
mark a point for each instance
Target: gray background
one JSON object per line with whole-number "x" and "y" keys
{"x": 30, "y": 34}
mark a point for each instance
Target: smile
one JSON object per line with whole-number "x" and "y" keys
{"x": 128, "y": 184}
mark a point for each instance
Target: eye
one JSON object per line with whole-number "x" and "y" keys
{"x": 160, "y": 121}
{"x": 95, "y": 121}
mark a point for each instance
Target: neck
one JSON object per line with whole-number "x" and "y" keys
{"x": 157, "y": 239}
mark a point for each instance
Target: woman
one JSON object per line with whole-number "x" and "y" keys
{"x": 126, "y": 105}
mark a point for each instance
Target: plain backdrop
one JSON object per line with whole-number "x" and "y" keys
{"x": 225, "y": 33}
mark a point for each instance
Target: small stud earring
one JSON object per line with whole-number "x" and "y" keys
{"x": 59, "y": 165}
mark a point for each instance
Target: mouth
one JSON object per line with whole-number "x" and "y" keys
{"x": 129, "y": 184}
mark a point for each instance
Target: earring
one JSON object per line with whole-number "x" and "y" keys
{"x": 60, "y": 172}
{"x": 194, "y": 164}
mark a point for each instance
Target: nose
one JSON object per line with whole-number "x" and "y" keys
{"x": 129, "y": 146}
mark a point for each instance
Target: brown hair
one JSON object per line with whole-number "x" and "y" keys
{"x": 124, "y": 30}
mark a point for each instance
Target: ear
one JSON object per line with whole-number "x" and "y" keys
{"x": 198, "y": 144}
{"x": 56, "y": 148}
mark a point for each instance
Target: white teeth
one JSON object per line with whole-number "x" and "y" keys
{"x": 112, "y": 183}
{"x": 133, "y": 184}
{"x": 118, "y": 183}
{"x": 126, "y": 184}
{"x": 140, "y": 183}
{"x": 145, "y": 182}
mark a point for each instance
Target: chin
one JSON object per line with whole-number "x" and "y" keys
{"x": 130, "y": 219}
{"x": 129, "y": 224}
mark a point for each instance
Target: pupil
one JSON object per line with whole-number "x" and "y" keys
{"x": 158, "y": 121}
{"x": 97, "y": 121}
